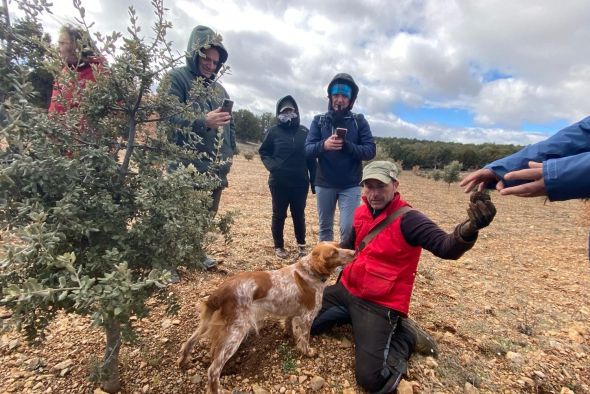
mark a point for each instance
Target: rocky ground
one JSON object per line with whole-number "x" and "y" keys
{"x": 511, "y": 316}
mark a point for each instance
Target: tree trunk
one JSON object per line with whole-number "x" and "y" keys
{"x": 110, "y": 368}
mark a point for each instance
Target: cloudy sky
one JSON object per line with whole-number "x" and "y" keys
{"x": 452, "y": 70}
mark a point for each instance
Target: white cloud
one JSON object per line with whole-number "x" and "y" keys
{"x": 428, "y": 52}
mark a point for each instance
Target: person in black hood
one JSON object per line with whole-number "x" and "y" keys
{"x": 205, "y": 56}
{"x": 340, "y": 140}
{"x": 282, "y": 153}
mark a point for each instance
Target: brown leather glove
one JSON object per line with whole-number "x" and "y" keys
{"x": 481, "y": 212}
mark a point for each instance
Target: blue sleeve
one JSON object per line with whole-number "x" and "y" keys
{"x": 572, "y": 140}
{"x": 567, "y": 178}
{"x": 314, "y": 145}
{"x": 365, "y": 149}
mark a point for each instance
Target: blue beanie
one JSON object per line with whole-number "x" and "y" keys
{"x": 341, "y": 88}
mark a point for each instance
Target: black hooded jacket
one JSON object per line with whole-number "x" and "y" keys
{"x": 340, "y": 169}
{"x": 283, "y": 155}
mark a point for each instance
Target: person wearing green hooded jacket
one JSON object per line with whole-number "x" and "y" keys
{"x": 205, "y": 57}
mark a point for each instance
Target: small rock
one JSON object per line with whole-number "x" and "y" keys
{"x": 448, "y": 337}
{"x": 99, "y": 391}
{"x": 145, "y": 389}
{"x": 344, "y": 343}
{"x": 431, "y": 362}
{"x": 302, "y": 379}
{"x": 316, "y": 383}
{"x": 258, "y": 390}
{"x": 565, "y": 390}
{"x": 13, "y": 344}
{"x": 196, "y": 379}
{"x": 553, "y": 344}
{"x": 282, "y": 389}
{"x": 64, "y": 372}
{"x": 166, "y": 323}
{"x": 405, "y": 387}
{"x": 176, "y": 322}
{"x": 515, "y": 358}
{"x": 469, "y": 388}
{"x": 63, "y": 365}
{"x": 539, "y": 374}
{"x": 36, "y": 363}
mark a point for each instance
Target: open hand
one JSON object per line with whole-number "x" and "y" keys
{"x": 534, "y": 188}
{"x": 478, "y": 180}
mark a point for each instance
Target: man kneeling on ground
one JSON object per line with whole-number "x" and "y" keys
{"x": 375, "y": 289}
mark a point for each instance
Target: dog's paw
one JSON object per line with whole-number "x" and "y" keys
{"x": 311, "y": 352}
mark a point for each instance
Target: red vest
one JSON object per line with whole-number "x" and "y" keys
{"x": 70, "y": 91}
{"x": 384, "y": 271}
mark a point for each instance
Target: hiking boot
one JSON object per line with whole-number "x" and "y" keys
{"x": 281, "y": 253}
{"x": 301, "y": 250}
{"x": 425, "y": 344}
{"x": 209, "y": 264}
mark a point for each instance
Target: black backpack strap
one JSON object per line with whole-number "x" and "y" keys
{"x": 377, "y": 229}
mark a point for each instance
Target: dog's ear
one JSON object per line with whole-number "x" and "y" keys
{"x": 324, "y": 258}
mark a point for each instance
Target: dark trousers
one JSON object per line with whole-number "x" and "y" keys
{"x": 216, "y": 196}
{"x": 294, "y": 198}
{"x": 382, "y": 344}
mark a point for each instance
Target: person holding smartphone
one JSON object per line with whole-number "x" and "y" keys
{"x": 340, "y": 140}
{"x": 205, "y": 57}
{"x": 283, "y": 155}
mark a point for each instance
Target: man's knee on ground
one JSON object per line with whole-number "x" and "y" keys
{"x": 371, "y": 377}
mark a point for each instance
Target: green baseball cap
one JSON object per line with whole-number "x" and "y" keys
{"x": 384, "y": 171}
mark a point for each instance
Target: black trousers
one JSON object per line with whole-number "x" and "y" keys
{"x": 216, "y": 196}
{"x": 382, "y": 344}
{"x": 294, "y": 198}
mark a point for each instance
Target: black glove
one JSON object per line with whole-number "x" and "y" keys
{"x": 481, "y": 212}
{"x": 312, "y": 188}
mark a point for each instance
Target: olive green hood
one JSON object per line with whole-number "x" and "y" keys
{"x": 200, "y": 37}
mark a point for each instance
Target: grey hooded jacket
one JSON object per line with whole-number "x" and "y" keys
{"x": 182, "y": 79}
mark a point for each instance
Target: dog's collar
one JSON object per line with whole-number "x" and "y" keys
{"x": 323, "y": 278}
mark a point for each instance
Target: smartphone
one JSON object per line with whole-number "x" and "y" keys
{"x": 341, "y": 132}
{"x": 227, "y": 105}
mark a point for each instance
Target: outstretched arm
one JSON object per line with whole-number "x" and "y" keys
{"x": 555, "y": 151}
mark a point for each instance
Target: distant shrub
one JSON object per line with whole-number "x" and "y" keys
{"x": 436, "y": 175}
{"x": 451, "y": 172}
{"x": 249, "y": 155}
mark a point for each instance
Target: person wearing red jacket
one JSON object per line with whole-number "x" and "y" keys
{"x": 375, "y": 289}
{"x": 79, "y": 67}
{"x": 76, "y": 53}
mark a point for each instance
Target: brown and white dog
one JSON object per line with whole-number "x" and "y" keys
{"x": 241, "y": 302}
